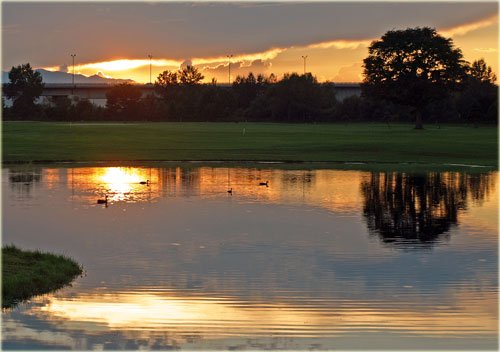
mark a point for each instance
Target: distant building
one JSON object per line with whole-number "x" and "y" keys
{"x": 347, "y": 89}
{"x": 96, "y": 92}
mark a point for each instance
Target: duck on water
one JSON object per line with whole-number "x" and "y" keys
{"x": 103, "y": 201}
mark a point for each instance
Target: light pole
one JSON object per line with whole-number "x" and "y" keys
{"x": 230, "y": 56}
{"x": 150, "y": 57}
{"x": 305, "y": 58}
{"x": 73, "y": 77}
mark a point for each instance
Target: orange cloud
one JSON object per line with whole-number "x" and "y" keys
{"x": 340, "y": 44}
{"x": 351, "y": 73}
{"x": 469, "y": 27}
{"x": 130, "y": 64}
{"x": 263, "y": 55}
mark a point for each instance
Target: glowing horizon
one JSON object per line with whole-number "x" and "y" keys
{"x": 329, "y": 60}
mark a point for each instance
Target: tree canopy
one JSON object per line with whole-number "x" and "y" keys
{"x": 123, "y": 99}
{"x": 190, "y": 76}
{"x": 413, "y": 67}
{"x": 25, "y": 85}
{"x": 478, "y": 99}
{"x": 480, "y": 71}
{"x": 167, "y": 78}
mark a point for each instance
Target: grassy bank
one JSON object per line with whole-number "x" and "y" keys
{"x": 29, "y": 273}
{"x": 364, "y": 142}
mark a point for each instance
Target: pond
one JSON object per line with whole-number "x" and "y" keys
{"x": 315, "y": 259}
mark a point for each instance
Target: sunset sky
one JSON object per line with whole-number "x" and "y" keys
{"x": 116, "y": 38}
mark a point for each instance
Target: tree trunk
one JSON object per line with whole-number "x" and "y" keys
{"x": 418, "y": 120}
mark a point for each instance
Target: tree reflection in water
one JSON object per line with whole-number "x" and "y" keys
{"x": 414, "y": 211}
{"x": 23, "y": 181}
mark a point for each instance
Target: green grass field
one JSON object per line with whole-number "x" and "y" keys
{"x": 363, "y": 142}
{"x": 29, "y": 273}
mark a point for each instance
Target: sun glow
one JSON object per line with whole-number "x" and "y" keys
{"x": 126, "y": 64}
{"x": 52, "y": 68}
{"x": 119, "y": 178}
{"x": 120, "y": 183}
{"x": 341, "y": 44}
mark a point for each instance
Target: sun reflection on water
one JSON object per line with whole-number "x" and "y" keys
{"x": 120, "y": 184}
{"x": 217, "y": 316}
{"x": 124, "y": 184}
{"x": 119, "y": 179}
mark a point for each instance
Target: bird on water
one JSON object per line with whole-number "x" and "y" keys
{"x": 264, "y": 184}
{"x": 145, "y": 182}
{"x": 103, "y": 201}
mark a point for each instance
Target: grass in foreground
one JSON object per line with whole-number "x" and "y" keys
{"x": 360, "y": 142}
{"x": 29, "y": 273}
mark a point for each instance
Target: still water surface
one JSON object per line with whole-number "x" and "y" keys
{"x": 319, "y": 259}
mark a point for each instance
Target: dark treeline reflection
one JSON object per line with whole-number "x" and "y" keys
{"x": 25, "y": 177}
{"x": 23, "y": 181}
{"x": 415, "y": 211}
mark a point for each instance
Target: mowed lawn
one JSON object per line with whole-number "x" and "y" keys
{"x": 363, "y": 142}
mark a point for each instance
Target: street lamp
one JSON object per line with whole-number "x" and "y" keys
{"x": 230, "y": 56}
{"x": 73, "y": 78}
{"x": 150, "y": 57}
{"x": 305, "y": 58}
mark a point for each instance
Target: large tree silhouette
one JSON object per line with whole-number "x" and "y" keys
{"x": 25, "y": 85}
{"x": 413, "y": 67}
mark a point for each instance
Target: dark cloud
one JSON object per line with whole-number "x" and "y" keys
{"x": 45, "y": 33}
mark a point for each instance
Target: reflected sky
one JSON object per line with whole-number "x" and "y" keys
{"x": 301, "y": 264}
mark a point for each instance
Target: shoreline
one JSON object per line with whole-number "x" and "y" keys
{"x": 338, "y": 165}
{"x": 27, "y": 274}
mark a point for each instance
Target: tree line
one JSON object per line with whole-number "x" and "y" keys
{"x": 412, "y": 75}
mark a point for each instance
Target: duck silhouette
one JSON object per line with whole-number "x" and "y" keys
{"x": 103, "y": 201}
